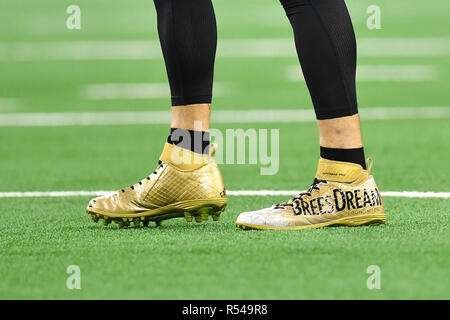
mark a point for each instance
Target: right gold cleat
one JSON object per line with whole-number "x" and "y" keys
{"x": 342, "y": 194}
{"x": 185, "y": 184}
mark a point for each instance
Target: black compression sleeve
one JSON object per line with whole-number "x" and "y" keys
{"x": 188, "y": 35}
{"x": 326, "y": 48}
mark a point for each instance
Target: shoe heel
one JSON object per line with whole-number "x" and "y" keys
{"x": 363, "y": 220}
{"x": 203, "y": 213}
{"x": 200, "y": 210}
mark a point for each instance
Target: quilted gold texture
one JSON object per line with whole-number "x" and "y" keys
{"x": 174, "y": 185}
{"x": 170, "y": 191}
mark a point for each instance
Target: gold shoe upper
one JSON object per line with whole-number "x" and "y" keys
{"x": 340, "y": 190}
{"x": 181, "y": 175}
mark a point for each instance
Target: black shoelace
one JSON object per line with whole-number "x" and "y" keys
{"x": 148, "y": 178}
{"x": 295, "y": 201}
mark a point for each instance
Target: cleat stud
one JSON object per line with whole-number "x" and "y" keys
{"x": 145, "y": 223}
{"x": 142, "y": 218}
{"x": 137, "y": 223}
{"x": 94, "y": 217}
{"x": 188, "y": 217}
{"x": 158, "y": 223}
{"x": 198, "y": 219}
{"x": 120, "y": 224}
{"x": 124, "y": 219}
{"x": 106, "y": 221}
{"x": 216, "y": 217}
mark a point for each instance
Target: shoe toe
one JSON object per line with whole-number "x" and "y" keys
{"x": 258, "y": 217}
{"x": 103, "y": 203}
{"x": 265, "y": 217}
{"x": 249, "y": 218}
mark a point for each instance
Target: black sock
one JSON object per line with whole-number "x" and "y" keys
{"x": 355, "y": 155}
{"x": 195, "y": 141}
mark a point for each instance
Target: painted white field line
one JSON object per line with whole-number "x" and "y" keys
{"x": 218, "y": 116}
{"x": 54, "y": 194}
{"x": 142, "y": 90}
{"x": 227, "y": 48}
{"x": 381, "y": 73}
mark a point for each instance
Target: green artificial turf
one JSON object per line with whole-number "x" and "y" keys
{"x": 214, "y": 260}
{"x": 40, "y": 237}
{"x": 110, "y": 157}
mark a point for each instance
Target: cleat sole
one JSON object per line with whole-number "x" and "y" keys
{"x": 350, "y": 221}
{"x": 200, "y": 210}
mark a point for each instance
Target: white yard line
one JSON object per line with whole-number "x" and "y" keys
{"x": 227, "y": 48}
{"x": 261, "y": 193}
{"x": 142, "y": 90}
{"x": 218, "y": 116}
{"x": 381, "y": 73}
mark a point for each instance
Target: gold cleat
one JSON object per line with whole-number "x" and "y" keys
{"x": 342, "y": 194}
{"x": 185, "y": 184}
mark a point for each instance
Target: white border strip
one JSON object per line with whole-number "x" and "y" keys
{"x": 259, "y": 193}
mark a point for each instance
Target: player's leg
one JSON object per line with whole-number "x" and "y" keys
{"x": 343, "y": 192}
{"x": 188, "y": 35}
{"x": 326, "y": 48}
{"x": 187, "y": 182}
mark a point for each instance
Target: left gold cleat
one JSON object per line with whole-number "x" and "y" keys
{"x": 342, "y": 194}
{"x": 185, "y": 184}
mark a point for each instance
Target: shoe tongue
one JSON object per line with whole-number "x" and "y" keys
{"x": 183, "y": 159}
{"x": 338, "y": 171}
